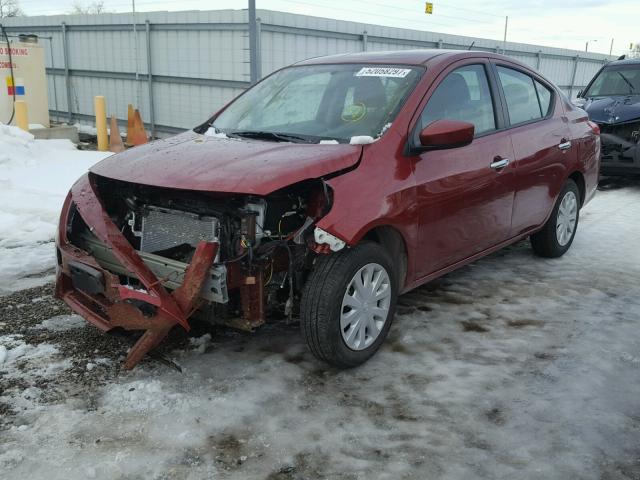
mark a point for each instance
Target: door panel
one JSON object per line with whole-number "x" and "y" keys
{"x": 464, "y": 206}
{"x": 542, "y": 146}
{"x": 541, "y": 169}
{"x": 464, "y": 203}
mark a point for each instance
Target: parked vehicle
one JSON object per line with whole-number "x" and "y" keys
{"x": 612, "y": 100}
{"x": 324, "y": 192}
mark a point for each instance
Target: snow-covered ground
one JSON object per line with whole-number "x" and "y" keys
{"x": 35, "y": 176}
{"x": 514, "y": 367}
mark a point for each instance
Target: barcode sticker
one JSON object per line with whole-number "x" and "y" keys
{"x": 383, "y": 72}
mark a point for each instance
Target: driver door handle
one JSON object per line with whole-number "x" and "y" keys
{"x": 565, "y": 145}
{"x": 499, "y": 163}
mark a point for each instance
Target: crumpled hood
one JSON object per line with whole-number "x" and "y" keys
{"x": 191, "y": 161}
{"x": 616, "y": 109}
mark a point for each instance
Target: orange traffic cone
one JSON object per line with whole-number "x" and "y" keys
{"x": 136, "y": 135}
{"x": 130, "y": 116}
{"x": 142, "y": 136}
{"x": 115, "y": 140}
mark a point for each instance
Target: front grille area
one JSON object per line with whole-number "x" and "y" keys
{"x": 164, "y": 228}
{"x": 620, "y": 144}
{"x": 175, "y": 221}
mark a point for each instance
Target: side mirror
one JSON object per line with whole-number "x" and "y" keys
{"x": 443, "y": 134}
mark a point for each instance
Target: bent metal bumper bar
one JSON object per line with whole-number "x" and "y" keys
{"x": 170, "y": 272}
{"x": 109, "y": 308}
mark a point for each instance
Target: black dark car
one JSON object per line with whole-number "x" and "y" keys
{"x": 612, "y": 100}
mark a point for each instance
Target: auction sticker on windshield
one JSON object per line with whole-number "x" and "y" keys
{"x": 383, "y": 72}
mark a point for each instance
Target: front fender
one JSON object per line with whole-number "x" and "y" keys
{"x": 380, "y": 192}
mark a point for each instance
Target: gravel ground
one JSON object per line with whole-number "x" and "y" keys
{"x": 512, "y": 367}
{"x": 23, "y": 313}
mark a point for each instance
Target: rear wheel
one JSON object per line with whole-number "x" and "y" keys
{"x": 348, "y": 304}
{"x": 557, "y": 235}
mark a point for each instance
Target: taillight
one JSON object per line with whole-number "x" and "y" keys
{"x": 595, "y": 128}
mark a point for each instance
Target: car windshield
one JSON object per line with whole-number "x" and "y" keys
{"x": 321, "y": 102}
{"x": 616, "y": 80}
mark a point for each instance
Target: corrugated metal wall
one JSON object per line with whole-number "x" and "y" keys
{"x": 200, "y": 60}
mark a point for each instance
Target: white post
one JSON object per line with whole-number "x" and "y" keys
{"x": 254, "y": 44}
{"x": 504, "y": 41}
{"x": 135, "y": 51}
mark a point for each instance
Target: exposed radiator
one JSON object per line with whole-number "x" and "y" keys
{"x": 163, "y": 228}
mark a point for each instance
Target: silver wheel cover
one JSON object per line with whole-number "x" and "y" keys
{"x": 365, "y": 306}
{"x": 567, "y": 218}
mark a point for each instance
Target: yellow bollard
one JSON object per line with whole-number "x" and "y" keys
{"x": 101, "y": 123}
{"x": 22, "y": 118}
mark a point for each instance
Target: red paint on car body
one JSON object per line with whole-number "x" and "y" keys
{"x": 457, "y": 133}
{"x": 190, "y": 161}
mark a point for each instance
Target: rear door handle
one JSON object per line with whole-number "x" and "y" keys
{"x": 499, "y": 163}
{"x": 565, "y": 145}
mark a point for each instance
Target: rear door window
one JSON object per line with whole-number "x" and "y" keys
{"x": 463, "y": 95}
{"x": 521, "y": 96}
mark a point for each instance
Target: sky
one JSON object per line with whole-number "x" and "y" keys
{"x": 557, "y": 23}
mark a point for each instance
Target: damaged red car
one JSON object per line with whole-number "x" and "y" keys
{"x": 322, "y": 193}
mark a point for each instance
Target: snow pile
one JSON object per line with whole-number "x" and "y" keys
{"x": 87, "y": 129}
{"x": 361, "y": 140}
{"x": 62, "y": 323}
{"x": 35, "y": 176}
{"x": 19, "y": 357}
{"x": 201, "y": 343}
{"x": 386, "y": 127}
{"x": 92, "y": 130}
{"x": 212, "y": 132}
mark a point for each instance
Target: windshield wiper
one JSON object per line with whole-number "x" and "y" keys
{"x": 279, "y": 137}
{"x": 627, "y": 81}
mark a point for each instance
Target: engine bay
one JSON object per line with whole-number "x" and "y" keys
{"x": 266, "y": 244}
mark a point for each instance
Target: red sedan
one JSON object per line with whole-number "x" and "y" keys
{"x": 324, "y": 192}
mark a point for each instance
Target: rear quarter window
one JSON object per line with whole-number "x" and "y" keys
{"x": 544, "y": 97}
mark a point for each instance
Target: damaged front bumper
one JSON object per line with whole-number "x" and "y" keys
{"x": 620, "y": 148}
{"x": 142, "y": 258}
{"x": 96, "y": 292}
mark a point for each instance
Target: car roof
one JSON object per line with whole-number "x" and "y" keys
{"x": 404, "y": 57}
{"x": 626, "y": 61}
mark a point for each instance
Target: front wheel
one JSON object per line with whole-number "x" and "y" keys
{"x": 348, "y": 303}
{"x": 557, "y": 235}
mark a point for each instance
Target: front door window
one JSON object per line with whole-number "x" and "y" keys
{"x": 463, "y": 95}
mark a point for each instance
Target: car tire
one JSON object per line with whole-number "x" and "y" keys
{"x": 343, "y": 302}
{"x": 558, "y": 233}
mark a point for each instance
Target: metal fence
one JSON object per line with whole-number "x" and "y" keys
{"x": 179, "y": 67}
